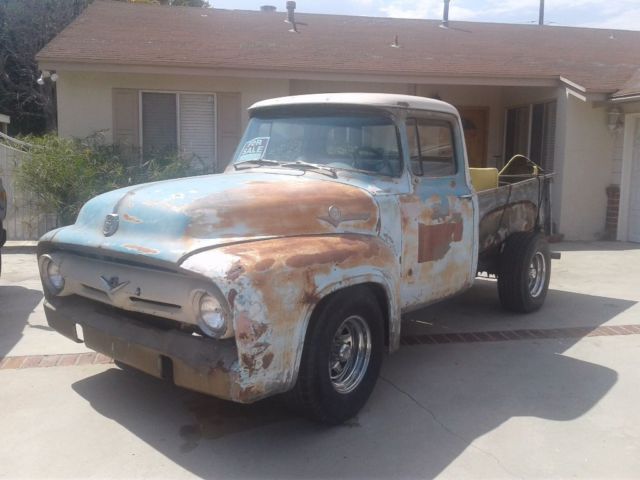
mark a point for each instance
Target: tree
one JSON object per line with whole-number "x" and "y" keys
{"x": 26, "y": 26}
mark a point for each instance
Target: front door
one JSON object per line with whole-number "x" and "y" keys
{"x": 438, "y": 215}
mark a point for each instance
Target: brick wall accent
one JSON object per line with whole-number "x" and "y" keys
{"x": 613, "y": 209}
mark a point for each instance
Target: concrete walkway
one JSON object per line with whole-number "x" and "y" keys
{"x": 453, "y": 403}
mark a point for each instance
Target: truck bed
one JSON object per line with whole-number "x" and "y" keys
{"x": 520, "y": 204}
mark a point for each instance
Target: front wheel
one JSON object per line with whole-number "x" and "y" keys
{"x": 524, "y": 272}
{"x": 341, "y": 358}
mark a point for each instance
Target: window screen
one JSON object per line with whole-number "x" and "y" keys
{"x": 198, "y": 129}
{"x": 431, "y": 147}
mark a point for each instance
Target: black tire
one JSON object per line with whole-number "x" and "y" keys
{"x": 314, "y": 394}
{"x": 518, "y": 291}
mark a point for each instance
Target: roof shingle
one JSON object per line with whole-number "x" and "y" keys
{"x": 120, "y": 33}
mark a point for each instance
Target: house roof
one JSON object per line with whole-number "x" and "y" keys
{"x": 120, "y": 33}
{"x": 631, "y": 88}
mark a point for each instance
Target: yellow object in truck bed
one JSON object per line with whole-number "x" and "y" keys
{"x": 484, "y": 178}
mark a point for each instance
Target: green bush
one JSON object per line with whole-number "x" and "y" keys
{"x": 65, "y": 173}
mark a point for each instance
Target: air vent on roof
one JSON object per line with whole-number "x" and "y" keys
{"x": 445, "y": 14}
{"x": 291, "y": 18}
{"x": 268, "y": 8}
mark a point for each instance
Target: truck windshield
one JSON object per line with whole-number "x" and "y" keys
{"x": 362, "y": 142}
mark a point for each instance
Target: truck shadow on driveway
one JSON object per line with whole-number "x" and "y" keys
{"x": 16, "y": 305}
{"x": 432, "y": 403}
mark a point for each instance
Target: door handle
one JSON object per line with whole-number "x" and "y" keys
{"x": 466, "y": 197}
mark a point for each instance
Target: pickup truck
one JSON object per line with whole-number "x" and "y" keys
{"x": 289, "y": 272}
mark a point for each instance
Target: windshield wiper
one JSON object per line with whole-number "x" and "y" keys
{"x": 299, "y": 164}
{"x": 258, "y": 162}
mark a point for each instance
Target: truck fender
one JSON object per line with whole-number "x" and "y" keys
{"x": 272, "y": 287}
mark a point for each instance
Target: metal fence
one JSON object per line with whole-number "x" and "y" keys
{"x": 25, "y": 220}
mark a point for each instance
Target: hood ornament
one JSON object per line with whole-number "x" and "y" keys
{"x": 335, "y": 216}
{"x": 113, "y": 284}
{"x": 111, "y": 223}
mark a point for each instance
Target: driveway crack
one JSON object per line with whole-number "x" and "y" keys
{"x": 446, "y": 428}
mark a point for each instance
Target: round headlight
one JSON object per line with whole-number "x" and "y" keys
{"x": 51, "y": 275}
{"x": 54, "y": 275}
{"x": 212, "y": 317}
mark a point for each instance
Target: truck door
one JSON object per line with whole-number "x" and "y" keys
{"x": 439, "y": 248}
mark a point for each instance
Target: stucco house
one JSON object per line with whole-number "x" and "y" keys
{"x": 153, "y": 76}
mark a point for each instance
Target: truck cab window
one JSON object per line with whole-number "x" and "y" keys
{"x": 431, "y": 147}
{"x": 364, "y": 142}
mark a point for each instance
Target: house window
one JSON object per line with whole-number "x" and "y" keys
{"x": 531, "y": 131}
{"x": 431, "y": 148}
{"x": 179, "y": 122}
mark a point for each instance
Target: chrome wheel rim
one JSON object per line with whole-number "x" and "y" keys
{"x": 350, "y": 354}
{"x": 537, "y": 274}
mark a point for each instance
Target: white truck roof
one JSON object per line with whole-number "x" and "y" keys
{"x": 383, "y": 100}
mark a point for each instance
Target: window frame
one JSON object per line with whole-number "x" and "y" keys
{"x": 454, "y": 127}
{"x": 177, "y": 94}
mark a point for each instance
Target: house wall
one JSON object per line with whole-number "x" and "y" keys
{"x": 587, "y": 153}
{"x": 85, "y": 99}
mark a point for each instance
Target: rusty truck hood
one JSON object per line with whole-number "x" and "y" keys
{"x": 168, "y": 220}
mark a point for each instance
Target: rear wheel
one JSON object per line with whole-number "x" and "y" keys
{"x": 341, "y": 358}
{"x": 524, "y": 272}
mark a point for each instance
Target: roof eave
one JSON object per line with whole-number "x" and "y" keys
{"x": 49, "y": 63}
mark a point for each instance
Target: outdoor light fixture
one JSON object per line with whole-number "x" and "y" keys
{"x": 614, "y": 119}
{"x": 47, "y": 74}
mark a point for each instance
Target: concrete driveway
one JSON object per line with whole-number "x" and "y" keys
{"x": 474, "y": 392}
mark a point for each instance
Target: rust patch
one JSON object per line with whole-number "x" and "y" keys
{"x": 499, "y": 223}
{"x": 235, "y": 271}
{"x": 141, "y": 249}
{"x": 249, "y": 362}
{"x": 249, "y": 330}
{"x": 335, "y": 251}
{"x": 232, "y": 297}
{"x": 130, "y": 218}
{"x": 305, "y": 260}
{"x": 310, "y": 298}
{"x": 267, "y": 359}
{"x": 434, "y": 241}
{"x": 265, "y": 264}
{"x": 300, "y": 206}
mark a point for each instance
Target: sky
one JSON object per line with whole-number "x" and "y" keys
{"x": 620, "y": 14}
